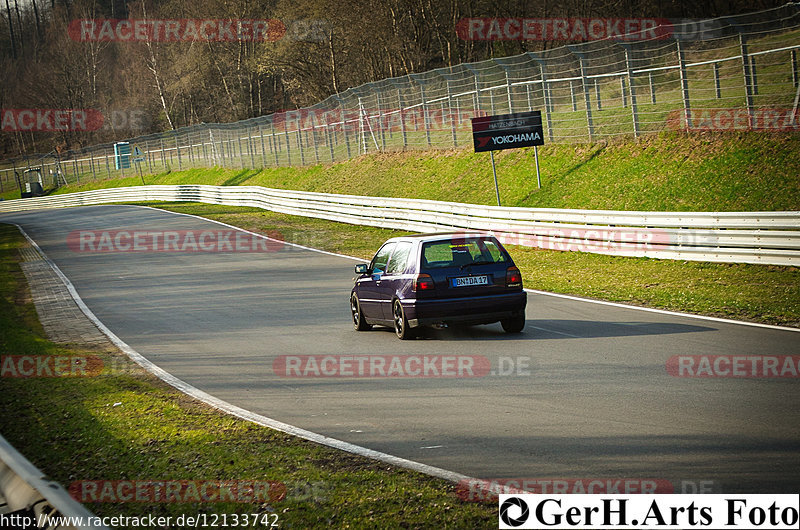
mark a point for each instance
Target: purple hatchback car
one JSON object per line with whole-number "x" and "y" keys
{"x": 438, "y": 280}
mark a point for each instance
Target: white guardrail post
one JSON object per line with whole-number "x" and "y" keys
{"x": 769, "y": 238}
{"x": 25, "y": 491}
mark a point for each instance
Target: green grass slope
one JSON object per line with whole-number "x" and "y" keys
{"x": 747, "y": 171}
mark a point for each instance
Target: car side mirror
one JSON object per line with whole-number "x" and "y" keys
{"x": 362, "y": 268}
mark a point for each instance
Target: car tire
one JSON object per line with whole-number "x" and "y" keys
{"x": 514, "y": 324}
{"x": 359, "y": 324}
{"x": 401, "y": 327}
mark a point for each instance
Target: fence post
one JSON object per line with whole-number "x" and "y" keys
{"x": 251, "y": 148}
{"x": 631, "y": 89}
{"x": 754, "y": 74}
{"x": 795, "y": 77}
{"x": 178, "y": 151}
{"x": 402, "y": 119}
{"x": 508, "y": 92}
{"x": 240, "y": 154}
{"x": 572, "y": 95}
{"x": 91, "y": 164}
{"x": 748, "y": 83}
{"x": 344, "y": 125}
{"x": 684, "y": 85}
{"x": 222, "y": 152}
{"x": 314, "y": 140}
{"x": 362, "y": 130}
{"x": 450, "y": 109}
{"x": 476, "y": 76}
{"x": 623, "y": 93}
{"x": 548, "y": 103}
{"x": 163, "y": 155}
{"x": 425, "y": 119}
{"x": 189, "y": 148}
{"x": 273, "y": 143}
{"x": 586, "y": 99}
{"x": 528, "y": 95}
{"x": 300, "y": 146}
{"x": 717, "y": 87}
{"x": 597, "y": 95}
{"x": 148, "y": 156}
{"x": 329, "y": 136}
{"x": 288, "y": 147}
{"x": 263, "y": 149}
{"x": 381, "y": 123}
{"x": 652, "y": 88}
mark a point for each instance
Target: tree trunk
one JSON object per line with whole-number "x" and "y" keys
{"x": 19, "y": 25}
{"x": 11, "y": 31}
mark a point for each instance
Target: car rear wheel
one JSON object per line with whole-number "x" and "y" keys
{"x": 514, "y": 324}
{"x": 401, "y": 327}
{"x": 358, "y": 317}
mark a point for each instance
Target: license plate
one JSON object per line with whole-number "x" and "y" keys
{"x": 468, "y": 281}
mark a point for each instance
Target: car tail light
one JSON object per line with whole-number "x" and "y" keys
{"x": 513, "y": 277}
{"x": 422, "y": 282}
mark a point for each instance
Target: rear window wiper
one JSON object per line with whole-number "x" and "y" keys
{"x": 476, "y": 263}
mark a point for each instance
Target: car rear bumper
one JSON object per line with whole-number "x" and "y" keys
{"x": 466, "y": 310}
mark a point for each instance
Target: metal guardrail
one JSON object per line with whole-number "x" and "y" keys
{"x": 25, "y": 491}
{"x": 770, "y": 238}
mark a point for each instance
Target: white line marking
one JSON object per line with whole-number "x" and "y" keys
{"x": 243, "y": 230}
{"x": 664, "y": 311}
{"x": 239, "y": 412}
{"x": 546, "y": 293}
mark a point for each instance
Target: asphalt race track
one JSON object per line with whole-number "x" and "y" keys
{"x": 594, "y": 401}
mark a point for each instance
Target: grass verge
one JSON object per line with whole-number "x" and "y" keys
{"x": 758, "y": 293}
{"x": 749, "y": 171}
{"x": 131, "y": 426}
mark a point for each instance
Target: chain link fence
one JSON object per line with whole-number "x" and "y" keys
{"x": 733, "y": 73}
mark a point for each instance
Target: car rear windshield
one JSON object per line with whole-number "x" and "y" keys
{"x": 459, "y": 252}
